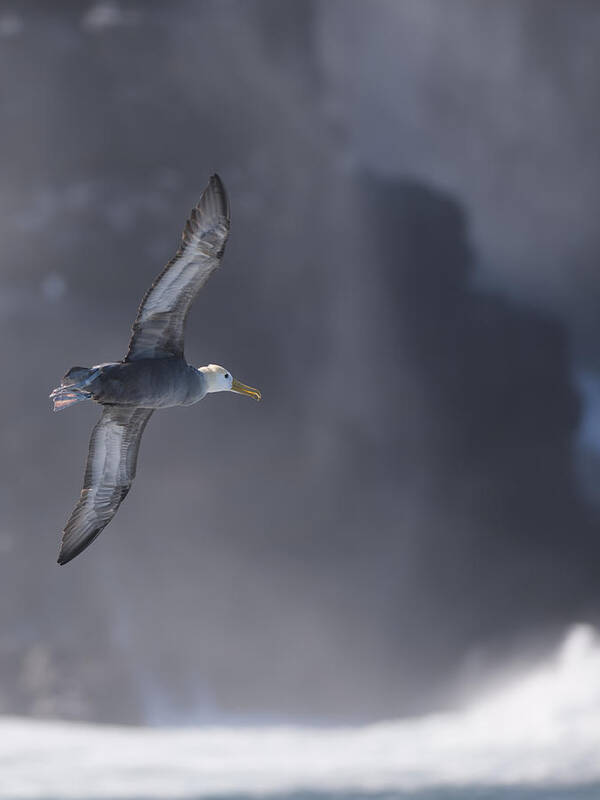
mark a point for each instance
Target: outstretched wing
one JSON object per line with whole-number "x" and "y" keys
{"x": 159, "y": 326}
{"x": 109, "y": 473}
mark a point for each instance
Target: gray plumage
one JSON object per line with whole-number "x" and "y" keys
{"x": 109, "y": 473}
{"x": 154, "y": 373}
{"x": 158, "y": 328}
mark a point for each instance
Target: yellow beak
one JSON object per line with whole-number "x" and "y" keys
{"x": 241, "y": 388}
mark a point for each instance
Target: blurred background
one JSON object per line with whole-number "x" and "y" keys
{"x": 413, "y": 282}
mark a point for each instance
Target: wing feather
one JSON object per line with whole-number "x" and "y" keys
{"x": 109, "y": 473}
{"x": 158, "y": 329}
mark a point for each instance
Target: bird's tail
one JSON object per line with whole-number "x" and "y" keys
{"x": 73, "y": 387}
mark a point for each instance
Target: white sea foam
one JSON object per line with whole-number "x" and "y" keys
{"x": 542, "y": 729}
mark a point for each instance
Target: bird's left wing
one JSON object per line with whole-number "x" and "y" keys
{"x": 158, "y": 329}
{"x": 109, "y": 473}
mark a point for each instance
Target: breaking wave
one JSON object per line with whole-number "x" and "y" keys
{"x": 543, "y": 729}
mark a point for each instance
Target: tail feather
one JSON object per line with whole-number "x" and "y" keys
{"x": 63, "y": 397}
{"x": 73, "y": 387}
{"x": 75, "y": 376}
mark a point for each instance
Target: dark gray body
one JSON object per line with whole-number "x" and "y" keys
{"x": 148, "y": 383}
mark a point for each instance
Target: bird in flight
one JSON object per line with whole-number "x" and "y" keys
{"x": 154, "y": 373}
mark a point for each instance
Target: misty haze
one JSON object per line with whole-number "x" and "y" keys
{"x": 405, "y": 532}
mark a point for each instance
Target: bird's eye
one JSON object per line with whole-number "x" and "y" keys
{"x": 226, "y": 374}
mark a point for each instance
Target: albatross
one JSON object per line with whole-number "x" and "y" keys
{"x": 154, "y": 373}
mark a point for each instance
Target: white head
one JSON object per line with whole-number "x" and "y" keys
{"x": 219, "y": 379}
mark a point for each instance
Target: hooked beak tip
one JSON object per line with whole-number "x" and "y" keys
{"x": 249, "y": 391}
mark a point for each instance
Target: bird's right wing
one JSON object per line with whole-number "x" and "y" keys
{"x": 159, "y": 326}
{"x": 109, "y": 473}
